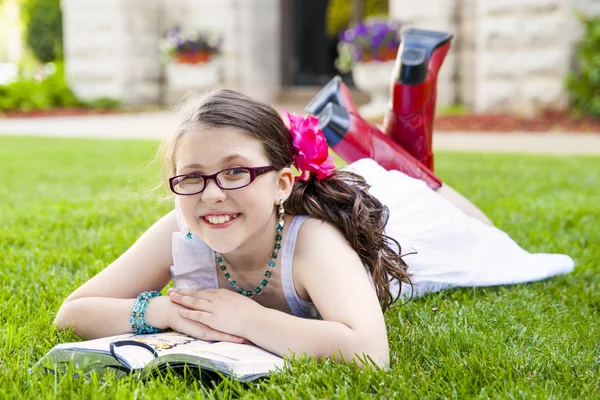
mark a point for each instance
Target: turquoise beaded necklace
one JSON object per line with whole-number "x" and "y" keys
{"x": 271, "y": 264}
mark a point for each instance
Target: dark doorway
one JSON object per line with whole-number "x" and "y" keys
{"x": 308, "y": 52}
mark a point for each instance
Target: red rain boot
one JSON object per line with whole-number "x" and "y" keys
{"x": 410, "y": 119}
{"x": 335, "y": 91}
{"x": 353, "y": 138}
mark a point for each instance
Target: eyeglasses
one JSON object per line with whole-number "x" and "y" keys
{"x": 228, "y": 179}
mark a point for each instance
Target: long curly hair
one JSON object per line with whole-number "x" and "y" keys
{"x": 341, "y": 199}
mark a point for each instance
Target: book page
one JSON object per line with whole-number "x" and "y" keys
{"x": 101, "y": 345}
{"x": 137, "y": 351}
{"x": 138, "y": 356}
{"x": 240, "y": 352}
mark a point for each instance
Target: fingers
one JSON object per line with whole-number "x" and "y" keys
{"x": 204, "y": 293}
{"x": 204, "y": 332}
{"x": 192, "y": 302}
{"x": 198, "y": 316}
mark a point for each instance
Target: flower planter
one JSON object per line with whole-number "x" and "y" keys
{"x": 195, "y": 57}
{"x": 190, "y": 78}
{"x": 388, "y": 54}
{"x": 375, "y": 78}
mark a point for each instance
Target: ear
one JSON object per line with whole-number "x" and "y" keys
{"x": 285, "y": 183}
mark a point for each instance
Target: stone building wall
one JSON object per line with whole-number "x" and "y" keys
{"x": 507, "y": 55}
{"x": 111, "y": 47}
{"x": 523, "y": 54}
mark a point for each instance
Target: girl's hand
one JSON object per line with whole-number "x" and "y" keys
{"x": 220, "y": 309}
{"x": 163, "y": 313}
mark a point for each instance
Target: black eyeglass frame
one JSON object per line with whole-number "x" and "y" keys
{"x": 254, "y": 173}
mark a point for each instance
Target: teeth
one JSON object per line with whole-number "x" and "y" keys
{"x": 221, "y": 219}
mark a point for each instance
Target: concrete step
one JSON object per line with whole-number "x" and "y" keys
{"x": 301, "y": 95}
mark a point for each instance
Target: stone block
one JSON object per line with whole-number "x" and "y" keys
{"x": 142, "y": 47}
{"x": 544, "y": 92}
{"x": 465, "y": 67}
{"x": 92, "y": 89}
{"x": 446, "y": 93}
{"x": 499, "y": 32}
{"x": 215, "y": 16}
{"x": 497, "y": 7}
{"x": 172, "y": 16}
{"x": 232, "y": 65}
{"x": 86, "y": 21}
{"x": 95, "y": 45}
{"x": 542, "y": 6}
{"x": 410, "y": 11}
{"x": 95, "y": 69}
{"x": 498, "y": 65}
{"x": 92, "y": 6}
{"x": 259, "y": 43}
{"x": 466, "y": 10}
{"x": 465, "y": 93}
{"x": 545, "y": 62}
{"x": 435, "y": 24}
{"x": 465, "y": 35}
{"x": 143, "y": 93}
{"x": 522, "y": 63}
{"x": 144, "y": 68}
{"x": 495, "y": 95}
{"x": 544, "y": 30}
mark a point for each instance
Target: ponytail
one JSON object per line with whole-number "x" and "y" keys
{"x": 343, "y": 200}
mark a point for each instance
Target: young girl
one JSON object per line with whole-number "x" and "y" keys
{"x": 294, "y": 264}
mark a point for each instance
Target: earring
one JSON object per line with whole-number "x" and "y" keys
{"x": 189, "y": 235}
{"x": 281, "y": 212}
{"x": 280, "y": 222}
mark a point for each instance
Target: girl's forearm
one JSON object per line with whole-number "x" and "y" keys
{"x": 94, "y": 317}
{"x": 281, "y": 333}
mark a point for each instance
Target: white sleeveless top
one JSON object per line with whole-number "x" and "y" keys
{"x": 195, "y": 265}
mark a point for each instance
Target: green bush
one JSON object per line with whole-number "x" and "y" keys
{"x": 43, "y": 19}
{"x": 28, "y": 93}
{"x": 584, "y": 83}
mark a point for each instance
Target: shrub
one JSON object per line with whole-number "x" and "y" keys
{"x": 29, "y": 93}
{"x": 584, "y": 83}
{"x": 43, "y": 21}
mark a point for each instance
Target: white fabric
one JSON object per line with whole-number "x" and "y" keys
{"x": 194, "y": 265}
{"x": 453, "y": 249}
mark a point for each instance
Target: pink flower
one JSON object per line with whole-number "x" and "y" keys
{"x": 309, "y": 141}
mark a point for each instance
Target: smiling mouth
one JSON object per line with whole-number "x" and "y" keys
{"x": 220, "y": 219}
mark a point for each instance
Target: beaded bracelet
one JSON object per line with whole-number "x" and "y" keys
{"x": 138, "y": 309}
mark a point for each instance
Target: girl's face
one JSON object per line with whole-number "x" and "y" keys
{"x": 248, "y": 212}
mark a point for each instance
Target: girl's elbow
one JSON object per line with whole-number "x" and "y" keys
{"x": 375, "y": 350}
{"x": 373, "y": 359}
{"x": 369, "y": 353}
{"x": 63, "y": 319}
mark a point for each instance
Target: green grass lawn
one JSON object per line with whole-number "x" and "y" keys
{"x": 70, "y": 207}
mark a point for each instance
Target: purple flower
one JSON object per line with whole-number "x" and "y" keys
{"x": 371, "y": 38}
{"x": 177, "y": 40}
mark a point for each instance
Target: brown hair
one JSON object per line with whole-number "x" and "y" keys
{"x": 341, "y": 199}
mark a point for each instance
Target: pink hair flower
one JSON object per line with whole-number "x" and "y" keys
{"x": 309, "y": 141}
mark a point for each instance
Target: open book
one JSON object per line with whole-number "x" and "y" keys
{"x": 145, "y": 353}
